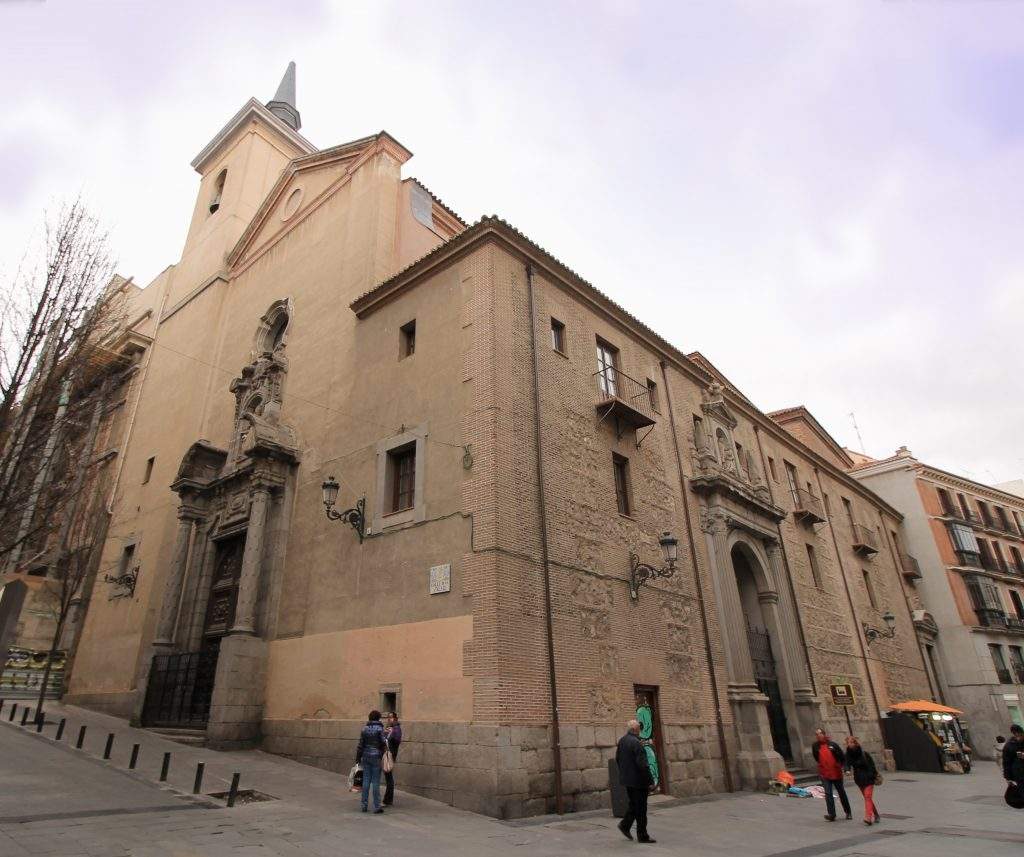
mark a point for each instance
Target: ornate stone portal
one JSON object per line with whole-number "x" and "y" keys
{"x": 216, "y": 599}
{"x": 769, "y": 689}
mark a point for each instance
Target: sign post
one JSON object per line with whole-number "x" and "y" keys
{"x": 842, "y": 695}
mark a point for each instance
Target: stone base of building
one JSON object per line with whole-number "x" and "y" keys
{"x": 236, "y": 709}
{"x": 499, "y": 770}
{"x": 122, "y": 704}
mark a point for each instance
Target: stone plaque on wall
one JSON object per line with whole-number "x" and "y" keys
{"x": 440, "y": 578}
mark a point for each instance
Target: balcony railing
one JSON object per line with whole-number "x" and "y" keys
{"x": 807, "y": 507}
{"x": 993, "y": 563}
{"x": 624, "y": 398}
{"x": 968, "y": 558}
{"x": 864, "y": 540}
{"x": 1020, "y": 674}
{"x": 1014, "y": 623}
{"x": 989, "y": 617}
{"x": 960, "y": 515}
{"x": 910, "y": 567}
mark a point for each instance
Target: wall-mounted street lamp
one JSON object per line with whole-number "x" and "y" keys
{"x": 125, "y": 583}
{"x": 356, "y": 516}
{"x": 872, "y": 634}
{"x": 641, "y": 572}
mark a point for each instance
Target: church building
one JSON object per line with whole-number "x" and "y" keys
{"x": 376, "y": 457}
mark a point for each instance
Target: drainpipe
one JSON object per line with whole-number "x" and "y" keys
{"x": 719, "y": 723}
{"x": 556, "y": 747}
{"x": 859, "y": 631}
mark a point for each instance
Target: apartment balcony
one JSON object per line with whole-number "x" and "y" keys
{"x": 807, "y": 507}
{"x": 991, "y": 563}
{"x": 623, "y": 399}
{"x": 968, "y": 559}
{"x": 1014, "y": 623}
{"x": 956, "y": 514}
{"x": 865, "y": 540}
{"x": 910, "y": 567}
{"x": 990, "y": 617}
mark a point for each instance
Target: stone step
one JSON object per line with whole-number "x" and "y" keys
{"x": 188, "y": 737}
{"x": 804, "y": 777}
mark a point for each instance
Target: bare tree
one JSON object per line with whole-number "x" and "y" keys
{"x": 55, "y": 315}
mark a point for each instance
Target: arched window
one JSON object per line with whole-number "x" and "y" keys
{"x": 275, "y": 336}
{"x": 272, "y": 334}
{"x": 218, "y": 190}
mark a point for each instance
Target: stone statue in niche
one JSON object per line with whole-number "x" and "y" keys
{"x": 258, "y": 396}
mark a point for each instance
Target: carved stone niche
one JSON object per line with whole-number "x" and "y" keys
{"x": 258, "y": 393}
{"x": 718, "y": 469}
{"x": 200, "y": 466}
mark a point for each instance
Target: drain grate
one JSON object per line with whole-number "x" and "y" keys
{"x": 244, "y": 796}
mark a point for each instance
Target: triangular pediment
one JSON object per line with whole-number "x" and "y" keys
{"x": 714, "y": 405}
{"x": 304, "y": 185}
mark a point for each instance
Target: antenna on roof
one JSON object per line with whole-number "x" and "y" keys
{"x": 856, "y": 428}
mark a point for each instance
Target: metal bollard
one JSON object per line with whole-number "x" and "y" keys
{"x": 135, "y": 757}
{"x": 40, "y": 720}
{"x": 14, "y": 710}
{"x": 166, "y": 767}
{"x": 233, "y": 791}
{"x": 81, "y": 738}
{"x": 60, "y": 729}
{"x": 2, "y": 701}
{"x": 24, "y": 716}
{"x": 198, "y": 785}
{"x": 109, "y": 747}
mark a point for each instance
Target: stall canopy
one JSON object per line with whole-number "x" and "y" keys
{"x": 915, "y": 705}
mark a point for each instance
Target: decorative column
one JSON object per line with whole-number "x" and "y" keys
{"x": 252, "y": 559}
{"x": 737, "y": 653}
{"x": 187, "y": 516}
{"x": 796, "y": 663}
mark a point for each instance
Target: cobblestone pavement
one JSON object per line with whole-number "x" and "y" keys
{"x": 61, "y": 801}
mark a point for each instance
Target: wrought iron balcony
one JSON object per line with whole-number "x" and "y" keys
{"x": 989, "y": 617}
{"x": 910, "y": 567}
{"x": 994, "y": 563}
{"x": 959, "y": 514}
{"x": 968, "y": 558}
{"x": 624, "y": 399}
{"x": 807, "y": 507}
{"x": 1015, "y": 624}
{"x": 865, "y": 540}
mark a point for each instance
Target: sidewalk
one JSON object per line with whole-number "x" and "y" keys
{"x": 69, "y": 803}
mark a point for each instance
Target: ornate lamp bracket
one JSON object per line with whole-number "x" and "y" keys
{"x": 356, "y": 516}
{"x": 640, "y": 572}
{"x": 125, "y": 581}
{"x": 872, "y": 634}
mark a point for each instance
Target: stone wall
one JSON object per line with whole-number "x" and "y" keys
{"x": 502, "y": 771}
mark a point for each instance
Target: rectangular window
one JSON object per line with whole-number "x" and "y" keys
{"x": 771, "y": 469}
{"x": 849, "y": 512}
{"x": 1001, "y": 518}
{"x": 402, "y": 463}
{"x": 149, "y": 470}
{"x": 127, "y": 558}
{"x": 607, "y": 368}
{"x": 1017, "y": 663}
{"x": 869, "y": 586}
{"x": 946, "y": 502}
{"x": 652, "y": 394}
{"x": 1018, "y": 605}
{"x": 1016, "y": 520}
{"x": 828, "y": 505}
{"x": 812, "y": 559}
{"x": 621, "y": 466}
{"x": 793, "y": 482}
{"x": 1017, "y": 560}
{"x": 999, "y": 662}
{"x": 964, "y": 507}
{"x": 557, "y": 336}
{"x": 1000, "y": 560}
{"x": 407, "y": 345}
{"x": 986, "y": 515}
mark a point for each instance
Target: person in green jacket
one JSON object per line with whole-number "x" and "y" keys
{"x": 643, "y": 714}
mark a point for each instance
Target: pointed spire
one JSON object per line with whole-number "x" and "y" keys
{"x": 283, "y": 103}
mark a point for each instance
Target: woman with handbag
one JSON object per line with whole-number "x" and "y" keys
{"x": 865, "y": 775}
{"x": 392, "y": 738}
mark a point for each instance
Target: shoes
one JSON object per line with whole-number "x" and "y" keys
{"x": 878, "y": 818}
{"x": 624, "y": 831}
{"x": 849, "y": 817}
{"x": 363, "y": 809}
{"x": 647, "y": 841}
{"x": 827, "y": 817}
{"x": 868, "y": 822}
{"x": 379, "y": 810}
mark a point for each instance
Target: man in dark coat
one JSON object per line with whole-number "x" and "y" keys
{"x": 830, "y": 758}
{"x": 1013, "y": 757}
{"x": 635, "y": 775}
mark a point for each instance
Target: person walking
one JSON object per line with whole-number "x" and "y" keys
{"x": 865, "y": 775}
{"x": 829, "y": 756}
{"x": 368, "y": 754}
{"x": 635, "y": 775}
{"x": 392, "y": 738}
{"x": 1013, "y": 758}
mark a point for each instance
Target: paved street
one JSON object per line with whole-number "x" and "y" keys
{"x": 60, "y": 801}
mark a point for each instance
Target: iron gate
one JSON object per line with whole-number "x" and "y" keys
{"x": 180, "y": 689}
{"x": 768, "y": 683}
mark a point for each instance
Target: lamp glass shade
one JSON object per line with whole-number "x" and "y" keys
{"x": 889, "y": 619}
{"x": 670, "y": 547}
{"x": 330, "y": 492}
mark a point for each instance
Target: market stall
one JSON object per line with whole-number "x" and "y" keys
{"x": 927, "y": 736}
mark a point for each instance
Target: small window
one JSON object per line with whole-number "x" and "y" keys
{"x": 828, "y": 505}
{"x": 388, "y": 702}
{"x": 408, "y": 339}
{"x": 849, "y": 513}
{"x": 652, "y": 394}
{"x": 1017, "y": 560}
{"x": 621, "y": 466}
{"x": 275, "y": 334}
{"x": 999, "y": 662}
{"x": 1018, "y": 605}
{"x": 946, "y": 502}
{"x": 793, "y": 483}
{"x": 402, "y": 466}
{"x": 149, "y": 470}
{"x": 771, "y": 469}
{"x": 963, "y": 505}
{"x": 127, "y": 556}
{"x": 869, "y": 586}
{"x": 557, "y": 336}
{"x": 218, "y": 191}
{"x": 812, "y": 560}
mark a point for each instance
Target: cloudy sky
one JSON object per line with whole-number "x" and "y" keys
{"x": 823, "y": 197}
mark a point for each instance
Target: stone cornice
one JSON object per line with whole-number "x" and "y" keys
{"x": 252, "y": 109}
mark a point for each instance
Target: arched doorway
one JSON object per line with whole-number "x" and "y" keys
{"x": 754, "y": 594}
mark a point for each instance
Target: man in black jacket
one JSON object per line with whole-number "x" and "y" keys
{"x": 631, "y": 759}
{"x": 1013, "y": 757}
